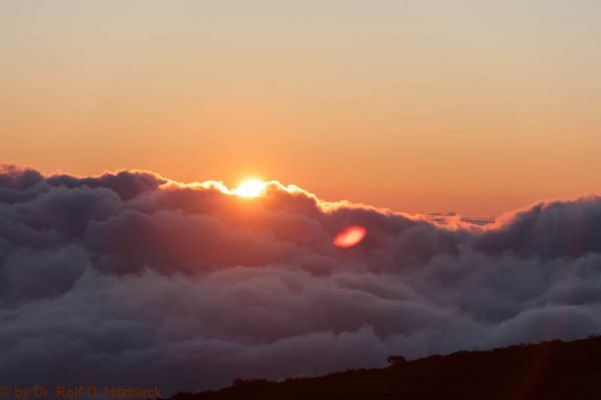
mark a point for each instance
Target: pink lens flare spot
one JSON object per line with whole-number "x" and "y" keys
{"x": 350, "y": 236}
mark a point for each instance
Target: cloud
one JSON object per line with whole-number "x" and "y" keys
{"x": 132, "y": 279}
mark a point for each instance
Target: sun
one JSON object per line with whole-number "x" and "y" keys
{"x": 250, "y": 188}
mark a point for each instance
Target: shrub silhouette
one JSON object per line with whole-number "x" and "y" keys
{"x": 395, "y": 361}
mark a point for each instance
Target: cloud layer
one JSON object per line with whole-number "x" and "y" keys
{"x": 132, "y": 279}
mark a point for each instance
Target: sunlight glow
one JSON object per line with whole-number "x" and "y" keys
{"x": 250, "y": 188}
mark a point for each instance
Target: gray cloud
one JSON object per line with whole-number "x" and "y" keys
{"x": 119, "y": 280}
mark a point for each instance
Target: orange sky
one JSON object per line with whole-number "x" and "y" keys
{"x": 413, "y": 105}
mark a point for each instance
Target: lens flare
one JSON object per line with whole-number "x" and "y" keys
{"x": 251, "y": 188}
{"x": 349, "y": 237}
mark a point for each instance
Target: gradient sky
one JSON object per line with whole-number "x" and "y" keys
{"x": 472, "y": 106}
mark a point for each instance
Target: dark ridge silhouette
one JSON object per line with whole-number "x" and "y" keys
{"x": 549, "y": 370}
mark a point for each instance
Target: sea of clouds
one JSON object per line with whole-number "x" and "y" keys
{"x": 132, "y": 279}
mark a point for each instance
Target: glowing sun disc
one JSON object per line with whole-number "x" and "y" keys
{"x": 349, "y": 237}
{"x": 249, "y": 189}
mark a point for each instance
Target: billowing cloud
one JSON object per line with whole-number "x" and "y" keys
{"x": 133, "y": 279}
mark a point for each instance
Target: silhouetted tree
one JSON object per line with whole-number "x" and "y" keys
{"x": 397, "y": 360}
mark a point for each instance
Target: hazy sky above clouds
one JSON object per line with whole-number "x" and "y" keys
{"x": 472, "y": 106}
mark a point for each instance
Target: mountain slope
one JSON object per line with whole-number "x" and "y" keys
{"x": 550, "y": 370}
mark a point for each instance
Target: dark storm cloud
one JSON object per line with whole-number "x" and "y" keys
{"x": 129, "y": 279}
